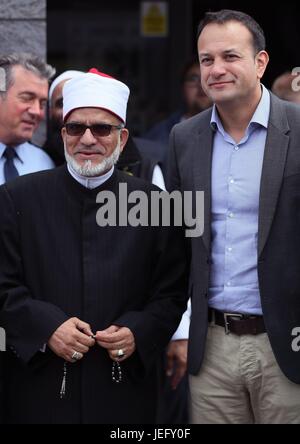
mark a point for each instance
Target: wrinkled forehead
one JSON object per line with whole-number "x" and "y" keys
{"x": 23, "y": 76}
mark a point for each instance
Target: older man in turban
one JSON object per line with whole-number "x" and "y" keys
{"x": 87, "y": 309}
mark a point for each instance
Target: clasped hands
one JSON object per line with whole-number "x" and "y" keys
{"x": 74, "y": 338}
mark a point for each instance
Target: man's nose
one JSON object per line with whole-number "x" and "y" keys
{"x": 218, "y": 68}
{"x": 36, "y": 109}
{"x": 87, "y": 138}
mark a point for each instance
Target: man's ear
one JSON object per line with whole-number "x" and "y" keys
{"x": 63, "y": 134}
{"x": 261, "y": 60}
{"x": 123, "y": 137}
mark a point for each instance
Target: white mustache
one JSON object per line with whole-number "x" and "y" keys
{"x": 90, "y": 151}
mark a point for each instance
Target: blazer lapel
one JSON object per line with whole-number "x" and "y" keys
{"x": 273, "y": 169}
{"x": 202, "y": 154}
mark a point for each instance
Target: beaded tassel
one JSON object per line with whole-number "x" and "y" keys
{"x": 63, "y": 384}
{"x": 116, "y": 378}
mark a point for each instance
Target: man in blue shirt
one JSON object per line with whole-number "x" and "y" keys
{"x": 243, "y": 360}
{"x": 23, "y": 98}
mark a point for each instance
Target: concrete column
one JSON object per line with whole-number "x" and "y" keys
{"x": 23, "y": 26}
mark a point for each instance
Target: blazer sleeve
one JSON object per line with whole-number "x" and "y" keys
{"x": 28, "y": 323}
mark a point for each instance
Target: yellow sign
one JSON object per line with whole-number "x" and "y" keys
{"x": 154, "y": 19}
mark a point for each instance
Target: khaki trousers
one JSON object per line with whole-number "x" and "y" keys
{"x": 240, "y": 383}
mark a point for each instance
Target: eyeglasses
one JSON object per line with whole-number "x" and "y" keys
{"x": 97, "y": 129}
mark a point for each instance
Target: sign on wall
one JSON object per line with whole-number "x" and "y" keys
{"x": 154, "y": 19}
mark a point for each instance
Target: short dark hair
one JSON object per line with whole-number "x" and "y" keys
{"x": 229, "y": 15}
{"x": 31, "y": 62}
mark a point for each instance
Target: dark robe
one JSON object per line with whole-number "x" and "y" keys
{"x": 132, "y": 162}
{"x": 54, "y": 145}
{"x": 57, "y": 263}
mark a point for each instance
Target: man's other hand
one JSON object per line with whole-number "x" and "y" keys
{"x": 72, "y": 340}
{"x": 176, "y": 361}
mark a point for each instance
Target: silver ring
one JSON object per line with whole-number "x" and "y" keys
{"x": 76, "y": 355}
{"x": 120, "y": 353}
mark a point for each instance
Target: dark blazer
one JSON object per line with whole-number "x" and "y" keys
{"x": 278, "y": 232}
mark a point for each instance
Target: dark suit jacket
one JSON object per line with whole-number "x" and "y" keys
{"x": 278, "y": 232}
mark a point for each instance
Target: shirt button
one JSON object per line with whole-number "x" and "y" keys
{"x": 229, "y": 249}
{"x": 236, "y": 148}
{"x": 228, "y": 284}
{"x": 231, "y": 215}
{"x": 232, "y": 181}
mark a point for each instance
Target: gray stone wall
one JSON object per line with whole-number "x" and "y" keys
{"x": 23, "y": 26}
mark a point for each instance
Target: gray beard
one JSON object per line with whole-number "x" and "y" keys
{"x": 90, "y": 170}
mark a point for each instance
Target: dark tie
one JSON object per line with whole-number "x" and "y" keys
{"x": 10, "y": 171}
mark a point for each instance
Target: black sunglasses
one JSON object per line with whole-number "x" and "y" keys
{"x": 97, "y": 129}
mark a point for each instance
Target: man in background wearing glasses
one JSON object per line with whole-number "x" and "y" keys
{"x": 87, "y": 309}
{"x": 194, "y": 100}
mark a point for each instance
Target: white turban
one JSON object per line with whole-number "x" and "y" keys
{"x": 67, "y": 75}
{"x": 95, "y": 90}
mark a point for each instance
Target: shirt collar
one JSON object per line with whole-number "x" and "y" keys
{"x": 260, "y": 117}
{"x": 90, "y": 182}
{"x": 19, "y": 151}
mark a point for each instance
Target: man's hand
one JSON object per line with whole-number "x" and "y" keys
{"x": 72, "y": 336}
{"x": 176, "y": 361}
{"x": 114, "y": 339}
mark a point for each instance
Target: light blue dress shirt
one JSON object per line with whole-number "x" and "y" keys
{"x": 29, "y": 159}
{"x": 236, "y": 176}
